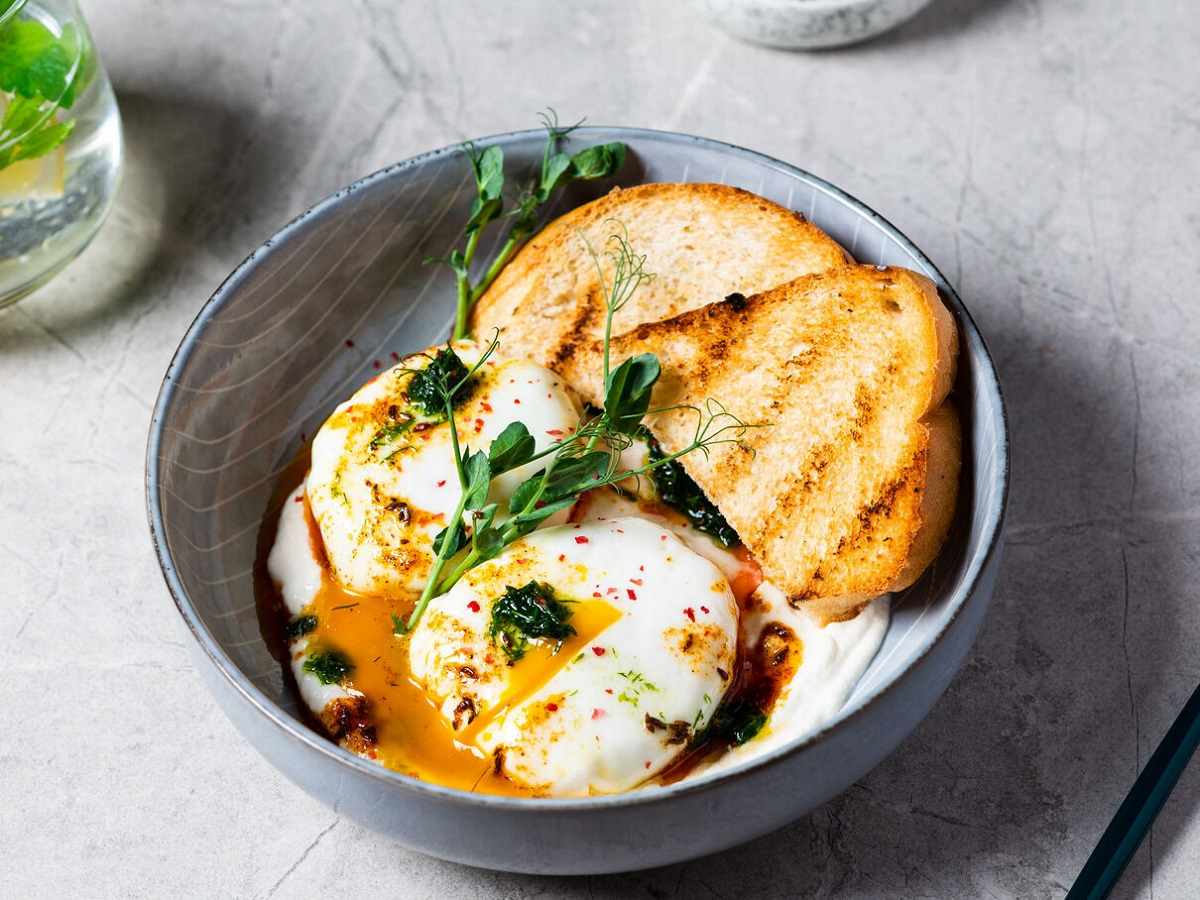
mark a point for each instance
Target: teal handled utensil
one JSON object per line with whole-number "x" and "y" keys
{"x": 1137, "y": 812}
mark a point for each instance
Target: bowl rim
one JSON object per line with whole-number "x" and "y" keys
{"x": 992, "y": 527}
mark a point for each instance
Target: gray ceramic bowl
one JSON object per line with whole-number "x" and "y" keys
{"x": 303, "y": 321}
{"x": 809, "y": 24}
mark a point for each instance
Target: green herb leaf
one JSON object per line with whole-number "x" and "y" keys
{"x": 330, "y": 666}
{"x": 458, "y": 539}
{"x": 488, "y": 167}
{"x": 300, "y": 626}
{"x": 391, "y": 431}
{"x": 527, "y": 521}
{"x": 429, "y": 387}
{"x": 33, "y": 62}
{"x": 553, "y": 170}
{"x": 599, "y": 161}
{"x": 627, "y": 391}
{"x": 398, "y": 626}
{"x": 525, "y": 614}
{"x": 454, "y": 259}
{"x": 677, "y": 489}
{"x": 21, "y": 135}
{"x": 511, "y": 449}
{"x": 487, "y": 543}
{"x": 479, "y": 478}
{"x": 569, "y": 477}
{"x": 735, "y": 722}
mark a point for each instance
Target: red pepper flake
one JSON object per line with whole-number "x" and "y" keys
{"x": 641, "y": 568}
{"x": 517, "y": 400}
{"x": 473, "y": 606}
{"x": 611, "y": 590}
{"x": 487, "y": 407}
{"x": 562, "y": 557}
{"x": 478, "y": 425}
{"x": 300, "y": 499}
{"x": 371, "y": 754}
{"x": 608, "y": 690}
{"x": 554, "y": 432}
{"x": 377, "y": 364}
{"x": 662, "y": 537}
{"x": 489, "y": 659}
{"x": 349, "y": 343}
{"x": 704, "y": 609}
{"x": 690, "y": 613}
{"x": 395, "y": 356}
{"x": 630, "y": 593}
{"x": 636, "y": 581}
{"x": 597, "y": 713}
{"x": 596, "y": 594}
{"x": 442, "y": 483}
{"x": 647, "y": 764}
{"x": 552, "y": 707}
{"x": 581, "y": 539}
{"x": 599, "y": 651}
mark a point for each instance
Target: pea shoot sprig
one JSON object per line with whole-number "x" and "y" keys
{"x": 557, "y": 170}
{"x": 589, "y": 458}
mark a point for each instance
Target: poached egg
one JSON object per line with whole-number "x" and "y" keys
{"x": 383, "y": 481}
{"x": 655, "y": 644}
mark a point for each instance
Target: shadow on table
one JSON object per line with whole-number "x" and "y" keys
{"x": 193, "y": 170}
{"x": 1020, "y": 765}
{"x": 942, "y": 18}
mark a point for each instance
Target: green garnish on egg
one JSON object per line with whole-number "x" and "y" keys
{"x": 525, "y": 614}
{"x": 445, "y": 374}
{"x": 330, "y": 666}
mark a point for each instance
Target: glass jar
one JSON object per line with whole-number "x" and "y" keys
{"x": 60, "y": 142}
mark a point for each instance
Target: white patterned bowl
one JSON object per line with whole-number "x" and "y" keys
{"x": 302, "y": 322}
{"x": 809, "y": 24}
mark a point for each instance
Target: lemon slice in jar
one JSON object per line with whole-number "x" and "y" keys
{"x": 34, "y": 179}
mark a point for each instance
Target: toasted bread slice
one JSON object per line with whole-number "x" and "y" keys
{"x": 848, "y": 489}
{"x": 702, "y": 241}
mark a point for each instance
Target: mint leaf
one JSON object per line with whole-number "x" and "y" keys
{"x": 33, "y": 62}
{"x": 21, "y": 137}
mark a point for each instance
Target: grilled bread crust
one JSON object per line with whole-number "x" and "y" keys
{"x": 702, "y": 241}
{"x": 848, "y": 489}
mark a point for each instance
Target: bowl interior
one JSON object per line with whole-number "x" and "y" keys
{"x": 321, "y": 306}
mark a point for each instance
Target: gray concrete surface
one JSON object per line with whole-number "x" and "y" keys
{"x": 1045, "y": 154}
